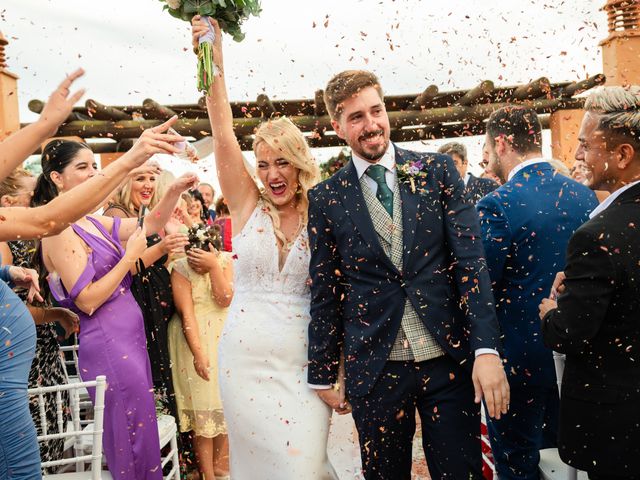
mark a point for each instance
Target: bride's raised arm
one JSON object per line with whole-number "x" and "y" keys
{"x": 238, "y": 188}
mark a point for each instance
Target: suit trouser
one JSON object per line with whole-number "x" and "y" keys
{"x": 442, "y": 392}
{"x": 530, "y": 425}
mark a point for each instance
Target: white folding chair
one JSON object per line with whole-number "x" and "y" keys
{"x": 167, "y": 428}
{"x": 167, "y": 432}
{"x": 74, "y": 430}
{"x": 551, "y": 466}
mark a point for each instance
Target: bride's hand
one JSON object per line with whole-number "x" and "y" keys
{"x": 200, "y": 28}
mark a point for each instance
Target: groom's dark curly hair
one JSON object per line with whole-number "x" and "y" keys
{"x": 346, "y": 85}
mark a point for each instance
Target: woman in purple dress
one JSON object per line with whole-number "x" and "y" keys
{"x": 90, "y": 274}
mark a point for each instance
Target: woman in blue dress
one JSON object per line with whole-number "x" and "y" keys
{"x": 19, "y": 453}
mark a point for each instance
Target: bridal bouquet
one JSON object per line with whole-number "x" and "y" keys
{"x": 201, "y": 236}
{"x": 229, "y": 13}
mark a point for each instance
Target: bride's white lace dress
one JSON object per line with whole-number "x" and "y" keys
{"x": 277, "y": 425}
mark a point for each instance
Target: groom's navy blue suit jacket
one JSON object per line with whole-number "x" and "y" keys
{"x": 358, "y": 295}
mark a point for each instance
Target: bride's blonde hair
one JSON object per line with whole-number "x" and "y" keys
{"x": 283, "y": 136}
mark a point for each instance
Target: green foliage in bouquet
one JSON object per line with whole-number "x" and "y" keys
{"x": 331, "y": 166}
{"x": 229, "y": 13}
{"x": 201, "y": 236}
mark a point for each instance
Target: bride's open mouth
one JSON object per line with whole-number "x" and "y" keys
{"x": 278, "y": 189}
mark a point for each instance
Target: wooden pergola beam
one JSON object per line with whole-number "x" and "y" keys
{"x": 535, "y": 89}
{"x": 152, "y": 109}
{"x": 104, "y": 112}
{"x": 245, "y": 127}
{"x": 423, "y": 100}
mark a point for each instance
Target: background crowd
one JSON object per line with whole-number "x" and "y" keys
{"x": 140, "y": 268}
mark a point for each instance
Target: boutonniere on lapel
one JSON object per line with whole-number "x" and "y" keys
{"x": 414, "y": 174}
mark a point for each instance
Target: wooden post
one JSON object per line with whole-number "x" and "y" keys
{"x": 620, "y": 53}
{"x": 9, "y": 114}
{"x": 565, "y": 125}
{"x": 107, "y": 158}
{"x": 621, "y": 49}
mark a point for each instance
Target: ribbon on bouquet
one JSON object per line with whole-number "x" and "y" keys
{"x": 210, "y": 36}
{"x": 207, "y": 70}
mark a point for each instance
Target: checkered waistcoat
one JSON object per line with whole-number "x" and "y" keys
{"x": 414, "y": 342}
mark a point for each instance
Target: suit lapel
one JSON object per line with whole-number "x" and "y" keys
{"x": 410, "y": 208}
{"x": 356, "y": 207}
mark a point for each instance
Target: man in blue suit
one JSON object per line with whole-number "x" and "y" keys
{"x": 400, "y": 289}
{"x": 526, "y": 225}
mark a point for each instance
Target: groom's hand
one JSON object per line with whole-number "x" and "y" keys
{"x": 490, "y": 382}
{"x": 335, "y": 399}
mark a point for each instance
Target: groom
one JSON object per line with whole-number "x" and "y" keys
{"x": 400, "y": 288}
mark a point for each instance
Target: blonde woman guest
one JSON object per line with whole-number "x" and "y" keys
{"x": 277, "y": 425}
{"x": 201, "y": 298}
{"x": 151, "y": 285}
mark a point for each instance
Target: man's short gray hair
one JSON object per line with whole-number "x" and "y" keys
{"x": 619, "y": 110}
{"x": 454, "y": 147}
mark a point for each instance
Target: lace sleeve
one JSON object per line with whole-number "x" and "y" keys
{"x": 182, "y": 267}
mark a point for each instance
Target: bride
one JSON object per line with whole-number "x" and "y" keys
{"x": 277, "y": 425}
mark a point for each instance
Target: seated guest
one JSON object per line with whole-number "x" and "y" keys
{"x": 475, "y": 187}
{"x": 595, "y": 321}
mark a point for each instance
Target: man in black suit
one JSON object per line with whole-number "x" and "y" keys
{"x": 596, "y": 320}
{"x": 475, "y": 187}
{"x": 401, "y": 289}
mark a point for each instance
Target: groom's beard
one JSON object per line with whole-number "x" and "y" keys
{"x": 372, "y": 154}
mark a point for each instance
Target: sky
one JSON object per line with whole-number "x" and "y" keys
{"x": 132, "y": 49}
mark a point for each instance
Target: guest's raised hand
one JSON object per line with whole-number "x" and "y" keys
{"x": 150, "y": 167}
{"x": 490, "y": 382}
{"x": 61, "y": 102}
{"x": 201, "y": 364}
{"x": 174, "y": 242}
{"x": 136, "y": 245}
{"x": 153, "y": 141}
{"x": 185, "y": 182}
{"x": 26, "y": 278}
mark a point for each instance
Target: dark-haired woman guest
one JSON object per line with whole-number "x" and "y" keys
{"x": 90, "y": 275}
{"x": 196, "y": 209}
{"x": 223, "y": 220}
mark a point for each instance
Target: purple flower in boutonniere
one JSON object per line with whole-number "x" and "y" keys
{"x": 414, "y": 174}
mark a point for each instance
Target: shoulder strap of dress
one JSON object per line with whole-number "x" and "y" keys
{"x": 114, "y": 229}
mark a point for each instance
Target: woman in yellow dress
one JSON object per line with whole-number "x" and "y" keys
{"x": 202, "y": 291}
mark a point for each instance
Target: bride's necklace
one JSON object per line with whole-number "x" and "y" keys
{"x": 290, "y": 243}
